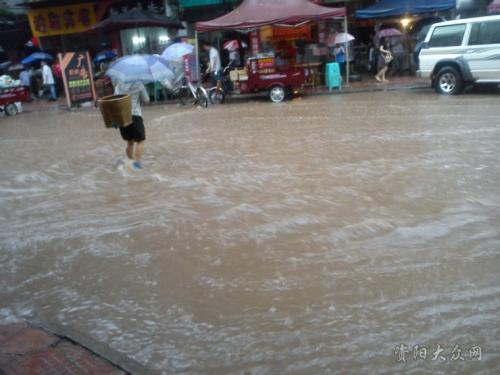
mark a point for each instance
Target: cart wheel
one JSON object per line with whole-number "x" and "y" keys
{"x": 277, "y": 94}
{"x": 217, "y": 96}
{"x": 11, "y": 109}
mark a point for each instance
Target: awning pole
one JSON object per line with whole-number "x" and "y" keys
{"x": 346, "y": 51}
{"x": 197, "y": 55}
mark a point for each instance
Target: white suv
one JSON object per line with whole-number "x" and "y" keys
{"x": 461, "y": 52}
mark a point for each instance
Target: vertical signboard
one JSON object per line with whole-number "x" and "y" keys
{"x": 254, "y": 43}
{"x": 76, "y": 69}
{"x": 189, "y": 66}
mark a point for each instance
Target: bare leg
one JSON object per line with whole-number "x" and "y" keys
{"x": 130, "y": 149}
{"x": 382, "y": 73}
{"x": 139, "y": 149}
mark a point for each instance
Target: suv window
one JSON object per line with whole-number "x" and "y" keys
{"x": 485, "y": 33}
{"x": 447, "y": 36}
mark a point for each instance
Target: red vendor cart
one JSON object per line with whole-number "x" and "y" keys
{"x": 9, "y": 96}
{"x": 262, "y": 74}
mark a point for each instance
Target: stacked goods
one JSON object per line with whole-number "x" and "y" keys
{"x": 238, "y": 75}
{"x": 116, "y": 110}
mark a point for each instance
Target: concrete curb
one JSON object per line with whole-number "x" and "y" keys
{"x": 84, "y": 340}
{"x": 370, "y": 89}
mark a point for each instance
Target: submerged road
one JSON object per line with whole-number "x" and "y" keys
{"x": 327, "y": 234}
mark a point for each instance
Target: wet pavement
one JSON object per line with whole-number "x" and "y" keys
{"x": 328, "y": 234}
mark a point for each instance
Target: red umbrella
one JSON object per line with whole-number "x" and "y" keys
{"x": 231, "y": 45}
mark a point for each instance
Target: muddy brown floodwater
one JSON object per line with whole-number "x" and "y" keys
{"x": 315, "y": 236}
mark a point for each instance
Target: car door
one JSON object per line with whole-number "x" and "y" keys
{"x": 483, "y": 51}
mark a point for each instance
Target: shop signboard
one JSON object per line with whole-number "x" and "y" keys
{"x": 61, "y": 20}
{"x": 254, "y": 42}
{"x": 190, "y": 69}
{"x": 76, "y": 68}
{"x": 265, "y": 63}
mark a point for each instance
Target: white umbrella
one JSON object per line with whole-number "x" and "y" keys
{"x": 140, "y": 68}
{"x": 341, "y": 38}
{"x": 176, "y": 51}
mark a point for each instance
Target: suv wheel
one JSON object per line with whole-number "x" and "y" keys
{"x": 449, "y": 81}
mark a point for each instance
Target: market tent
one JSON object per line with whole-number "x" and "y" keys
{"x": 494, "y": 7}
{"x": 257, "y": 13}
{"x": 390, "y": 8}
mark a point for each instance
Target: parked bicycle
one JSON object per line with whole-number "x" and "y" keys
{"x": 218, "y": 95}
{"x": 186, "y": 90}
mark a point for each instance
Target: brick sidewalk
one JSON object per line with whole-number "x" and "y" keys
{"x": 25, "y": 349}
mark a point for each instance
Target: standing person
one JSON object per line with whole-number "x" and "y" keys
{"x": 385, "y": 57}
{"x": 339, "y": 52}
{"x": 48, "y": 80}
{"x": 214, "y": 64}
{"x": 25, "y": 78}
{"x": 372, "y": 62}
{"x": 134, "y": 134}
{"x": 397, "y": 50}
{"x": 300, "y": 44}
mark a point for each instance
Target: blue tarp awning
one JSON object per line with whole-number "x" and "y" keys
{"x": 391, "y": 8}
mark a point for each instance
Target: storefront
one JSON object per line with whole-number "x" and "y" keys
{"x": 290, "y": 33}
{"x": 63, "y": 27}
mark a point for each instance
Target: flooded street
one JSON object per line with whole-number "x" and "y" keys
{"x": 313, "y": 236}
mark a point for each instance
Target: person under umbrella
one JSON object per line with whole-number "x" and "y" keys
{"x": 134, "y": 134}
{"x": 48, "y": 80}
{"x": 130, "y": 73}
{"x": 385, "y": 57}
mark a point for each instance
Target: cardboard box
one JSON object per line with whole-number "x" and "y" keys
{"x": 233, "y": 75}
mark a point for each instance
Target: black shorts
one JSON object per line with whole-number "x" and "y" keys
{"x": 135, "y": 131}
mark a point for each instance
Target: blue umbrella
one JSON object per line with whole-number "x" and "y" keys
{"x": 104, "y": 55}
{"x": 176, "y": 51}
{"x": 140, "y": 68}
{"x": 36, "y": 56}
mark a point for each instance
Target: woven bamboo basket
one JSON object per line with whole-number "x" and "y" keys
{"x": 116, "y": 110}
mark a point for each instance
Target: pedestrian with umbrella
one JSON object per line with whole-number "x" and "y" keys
{"x": 48, "y": 81}
{"x": 130, "y": 73}
{"x": 101, "y": 61}
{"x": 385, "y": 57}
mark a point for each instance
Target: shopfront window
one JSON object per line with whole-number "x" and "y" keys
{"x": 145, "y": 40}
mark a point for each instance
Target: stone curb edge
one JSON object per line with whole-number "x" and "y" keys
{"x": 119, "y": 360}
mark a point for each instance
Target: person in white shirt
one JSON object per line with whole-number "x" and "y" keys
{"x": 214, "y": 64}
{"x": 48, "y": 80}
{"x": 135, "y": 133}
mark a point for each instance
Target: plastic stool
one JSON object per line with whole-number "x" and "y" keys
{"x": 332, "y": 76}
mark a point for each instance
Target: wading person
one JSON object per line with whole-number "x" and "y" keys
{"x": 48, "y": 81}
{"x": 134, "y": 134}
{"x": 385, "y": 57}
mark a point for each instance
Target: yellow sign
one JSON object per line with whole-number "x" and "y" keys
{"x": 61, "y": 20}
